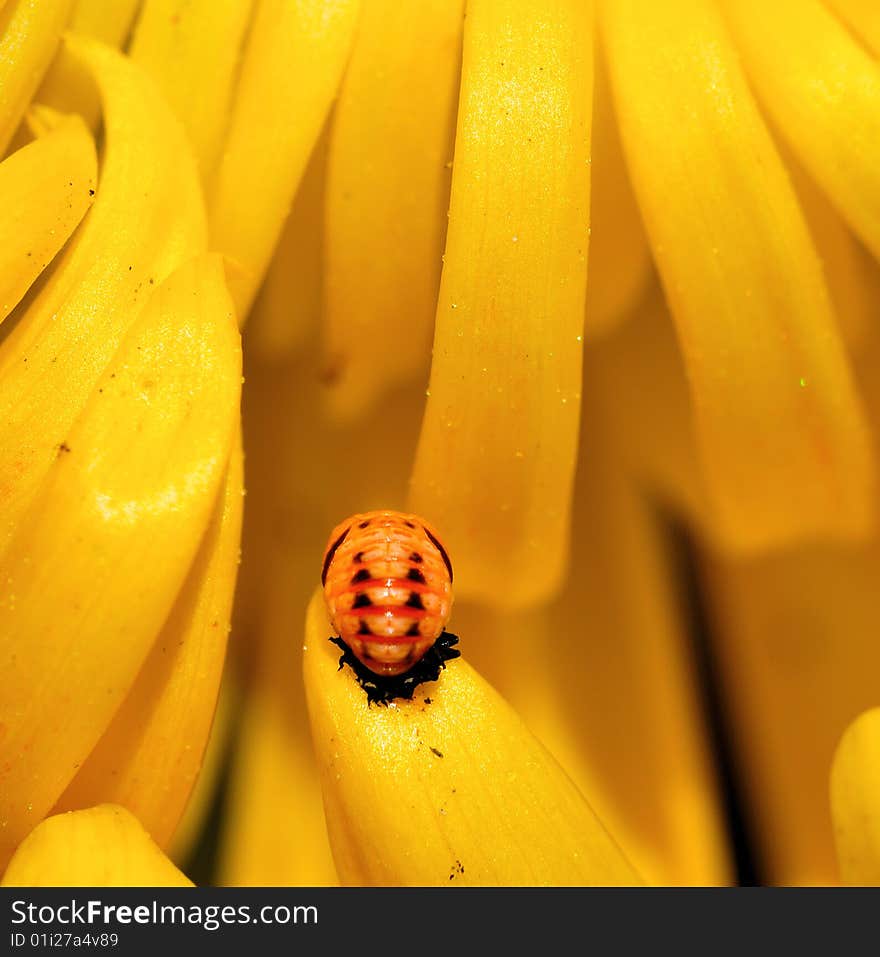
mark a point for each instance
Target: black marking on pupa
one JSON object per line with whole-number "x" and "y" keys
{"x": 383, "y": 690}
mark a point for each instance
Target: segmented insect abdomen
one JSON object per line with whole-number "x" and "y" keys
{"x": 388, "y": 587}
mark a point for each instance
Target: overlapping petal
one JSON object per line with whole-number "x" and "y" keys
{"x": 192, "y": 51}
{"x": 290, "y": 72}
{"x": 606, "y": 676}
{"x": 286, "y": 318}
{"x": 45, "y": 190}
{"x": 641, "y": 386}
{"x": 497, "y": 451}
{"x": 862, "y": 17}
{"x": 275, "y": 832}
{"x": 620, "y": 261}
{"x": 65, "y": 86}
{"x": 781, "y": 432}
{"x": 204, "y": 795}
{"x": 822, "y": 89}
{"x": 151, "y": 754}
{"x": 93, "y": 568}
{"x": 29, "y": 35}
{"x": 387, "y": 197}
{"x": 853, "y": 276}
{"x": 147, "y": 219}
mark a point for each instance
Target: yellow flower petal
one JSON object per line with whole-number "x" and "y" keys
{"x": 853, "y": 276}
{"x": 107, "y": 22}
{"x": 496, "y": 458}
{"x": 868, "y": 367}
{"x": 290, "y": 72}
{"x": 862, "y": 17}
{"x": 203, "y": 796}
{"x": 630, "y": 674}
{"x": 641, "y": 386}
{"x": 149, "y": 757}
{"x": 641, "y": 381}
{"x": 780, "y": 429}
{"x": 147, "y": 218}
{"x": 855, "y": 800}
{"x": 288, "y": 310}
{"x": 604, "y": 676}
{"x": 45, "y": 190}
{"x": 95, "y": 565}
{"x": 104, "y": 846}
{"x": 29, "y": 34}
{"x": 822, "y": 90}
{"x": 386, "y": 205}
{"x": 450, "y": 790}
{"x": 797, "y": 642}
{"x": 620, "y": 261}
{"x": 65, "y": 87}
{"x": 192, "y": 51}
{"x": 274, "y": 831}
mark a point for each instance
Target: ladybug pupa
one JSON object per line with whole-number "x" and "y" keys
{"x": 388, "y": 589}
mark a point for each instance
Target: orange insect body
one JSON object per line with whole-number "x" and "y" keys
{"x": 388, "y": 588}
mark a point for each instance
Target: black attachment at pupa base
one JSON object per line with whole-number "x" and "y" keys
{"x": 382, "y": 690}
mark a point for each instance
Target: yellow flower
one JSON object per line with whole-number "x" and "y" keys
{"x": 121, "y": 500}
{"x": 655, "y": 286}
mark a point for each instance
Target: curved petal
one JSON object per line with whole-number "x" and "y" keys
{"x": 642, "y": 387}
{"x": 290, "y": 73}
{"x": 65, "y": 86}
{"x": 274, "y": 831}
{"x": 620, "y": 260}
{"x": 862, "y": 17}
{"x": 822, "y": 89}
{"x": 103, "y": 846}
{"x": 108, "y": 22}
{"x": 855, "y": 801}
{"x": 450, "y": 787}
{"x": 780, "y": 428}
{"x": 852, "y": 274}
{"x": 386, "y": 208}
{"x": 605, "y": 675}
{"x": 286, "y": 315}
{"x": 192, "y": 51}
{"x": 150, "y": 756}
{"x": 211, "y": 782}
{"x": 29, "y": 35}
{"x": 95, "y": 564}
{"x": 496, "y": 458}
{"x": 45, "y": 189}
{"x": 147, "y": 219}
